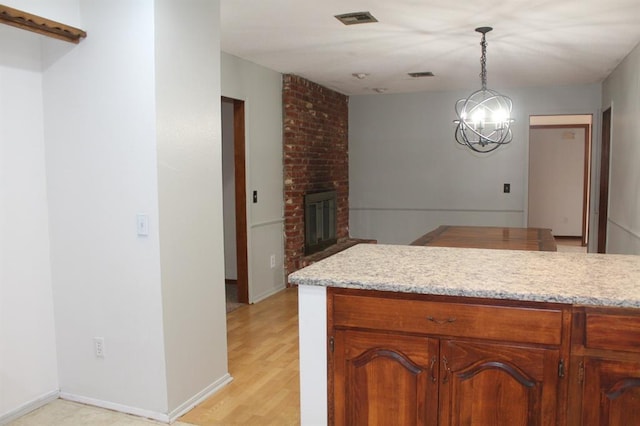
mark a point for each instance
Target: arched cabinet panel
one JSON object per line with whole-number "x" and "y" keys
{"x": 612, "y": 392}
{"x": 384, "y": 379}
{"x": 497, "y": 384}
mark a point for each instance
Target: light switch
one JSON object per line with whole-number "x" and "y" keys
{"x": 142, "y": 224}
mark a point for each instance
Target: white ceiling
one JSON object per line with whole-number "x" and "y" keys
{"x": 534, "y": 42}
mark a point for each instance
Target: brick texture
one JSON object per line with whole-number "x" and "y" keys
{"x": 316, "y": 158}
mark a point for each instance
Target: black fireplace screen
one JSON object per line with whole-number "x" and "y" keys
{"x": 319, "y": 221}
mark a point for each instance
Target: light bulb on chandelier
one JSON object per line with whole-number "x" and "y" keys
{"x": 484, "y": 118}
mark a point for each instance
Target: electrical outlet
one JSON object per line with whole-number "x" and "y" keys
{"x": 272, "y": 261}
{"x": 98, "y": 346}
{"x": 506, "y": 188}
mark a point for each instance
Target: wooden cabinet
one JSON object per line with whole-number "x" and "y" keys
{"x": 611, "y": 392}
{"x": 496, "y": 384}
{"x": 605, "y": 386}
{"x": 384, "y": 379}
{"x": 429, "y": 360}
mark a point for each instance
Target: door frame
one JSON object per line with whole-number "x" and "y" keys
{"x": 239, "y": 156}
{"x": 605, "y": 159}
{"x": 586, "y": 199}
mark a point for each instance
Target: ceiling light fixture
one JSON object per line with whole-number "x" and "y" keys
{"x": 380, "y": 89}
{"x": 484, "y": 118}
{"x": 360, "y": 75}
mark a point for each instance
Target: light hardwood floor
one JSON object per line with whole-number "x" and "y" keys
{"x": 263, "y": 360}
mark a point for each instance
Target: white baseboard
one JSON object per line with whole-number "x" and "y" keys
{"x": 199, "y": 397}
{"x": 140, "y": 412}
{"x": 42, "y": 400}
{"x": 154, "y": 415}
{"x": 268, "y": 293}
{"x": 29, "y": 406}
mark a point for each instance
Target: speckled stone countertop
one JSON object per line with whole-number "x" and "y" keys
{"x": 574, "y": 278}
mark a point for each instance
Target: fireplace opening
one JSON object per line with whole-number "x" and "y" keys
{"x": 320, "y": 211}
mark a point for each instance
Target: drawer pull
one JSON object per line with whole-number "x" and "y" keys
{"x": 433, "y": 373}
{"x": 444, "y": 321}
{"x": 447, "y": 369}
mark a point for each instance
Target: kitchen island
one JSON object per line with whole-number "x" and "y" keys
{"x": 441, "y": 328}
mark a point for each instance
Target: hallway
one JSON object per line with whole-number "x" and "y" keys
{"x": 263, "y": 360}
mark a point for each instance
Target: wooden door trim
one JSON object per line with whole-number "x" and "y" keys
{"x": 603, "y": 204}
{"x": 241, "y": 197}
{"x": 587, "y": 186}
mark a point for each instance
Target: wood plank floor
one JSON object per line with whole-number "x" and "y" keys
{"x": 263, "y": 360}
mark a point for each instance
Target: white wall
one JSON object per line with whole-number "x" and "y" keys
{"x": 190, "y": 197}
{"x": 28, "y": 372}
{"x": 261, "y": 89}
{"x": 621, "y": 91}
{"x": 229, "y": 193}
{"x": 99, "y": 115}
{"x": 556, "y": 180}
{"x": 95, "y": 120}
{"x": 408, "y": 175}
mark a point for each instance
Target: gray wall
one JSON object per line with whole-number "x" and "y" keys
{"x": 261, "y": 89}
{"x": 621, "y": 91}
{"x": 408, "y": 175}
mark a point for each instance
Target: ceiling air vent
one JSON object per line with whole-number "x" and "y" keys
{"x": 356, "y": 18}
{"x": 422, "y": 74}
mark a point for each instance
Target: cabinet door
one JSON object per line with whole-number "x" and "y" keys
{"x": 495, "y": 384}
{"x": 384, "y": 379}
{"x": 611, "y": 393}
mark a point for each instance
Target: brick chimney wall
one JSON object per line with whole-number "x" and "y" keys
{"x": 316, "y": 157}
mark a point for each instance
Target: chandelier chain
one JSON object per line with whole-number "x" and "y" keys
{"x": 483, "y": 63}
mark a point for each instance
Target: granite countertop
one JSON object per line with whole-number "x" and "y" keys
{"x": 574, "y": 278}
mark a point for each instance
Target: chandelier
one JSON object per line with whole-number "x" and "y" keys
{"x": 484, "y": 118}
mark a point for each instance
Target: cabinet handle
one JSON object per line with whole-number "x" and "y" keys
{"x": 581, "y": 372}
{"x": 444, "y": 321}
{"x": 433, "y": 372}
{"x": 447, "y": 370}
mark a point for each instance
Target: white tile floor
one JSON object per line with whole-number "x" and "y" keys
{"x": 67, "y": 413}
{"x": 570, "y": 245}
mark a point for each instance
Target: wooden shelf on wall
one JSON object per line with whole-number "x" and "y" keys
{"x": 37, "y": 24}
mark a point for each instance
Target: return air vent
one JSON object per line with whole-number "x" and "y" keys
{"x": 421, "y": 74}
{"x": 356, "y": 18}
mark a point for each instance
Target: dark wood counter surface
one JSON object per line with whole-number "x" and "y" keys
{"x": 536, "y": 239}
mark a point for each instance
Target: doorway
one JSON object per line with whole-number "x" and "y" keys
{"x": 559, "y": 175}
{"x": 234, "y": 201}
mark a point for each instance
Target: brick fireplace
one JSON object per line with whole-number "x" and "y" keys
{"x": 316, "y": 158}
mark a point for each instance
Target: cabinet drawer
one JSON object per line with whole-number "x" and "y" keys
{"x": 612, "y": 332}
{"x": 513, "y": 324}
